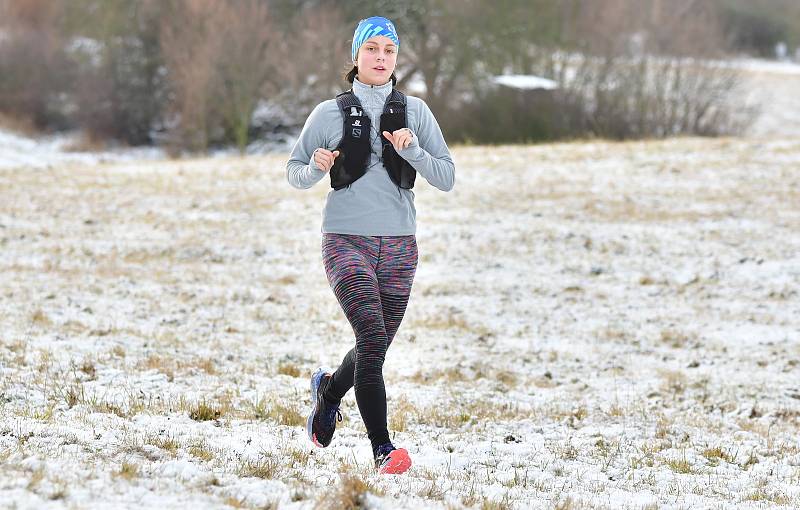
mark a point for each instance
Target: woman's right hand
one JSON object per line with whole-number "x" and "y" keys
{"x": 324, "y": 158}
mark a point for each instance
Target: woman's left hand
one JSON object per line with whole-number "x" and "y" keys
{"x": 400, "y": 139}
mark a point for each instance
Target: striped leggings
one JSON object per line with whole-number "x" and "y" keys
{"x": 371, "y": 277}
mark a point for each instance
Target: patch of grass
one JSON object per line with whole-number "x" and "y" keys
{"x": 44, "y": 414}
{"x": 508, "y": 379}
{"x": 449, "y": 374}
{"x": 349, "y": 494}
{"x": 503, "y": 503}
{"x": 39, "y": 318}
{"x": 681, "y": 465}
{"x": 72, "y": 394}
{"x": 243, "y": 503}
{"x": 279, "y": 412}
{"x": 167, "y": 443}
{"x": 128, "y": 471}
{"x": 431, "y": 491}
{"x": 236, "y": 502}
{"x": 36, "y": 478}
{"x": 454, "y": 415}
{"x": 449, "y": 318}
{"x": 288, "y": 279}
{"x": 88, "y": 368}
{"x": 401, "y": 412}
{"x": 615, "y": 410}
{"x": 572, "y": 415}
{"x": 570, "y": 503}
{"x": 60, "y": 491}
{"x": 442, "y": 416}
{"x": 647, "y": 280}
{"x": 266, "y": 467}
{"x": 160, "y": 364}
{"x": 207, "y": 365}
{"x": 674, "y": 381}
{"x": 676, "y": 339}
{"x": 202, "y": 451}
{"x": 299, "y": 457}
{"x": 289, "y": 368}
{"x": 520, "y": 479}
{"x": 566, "y": 451}
{"x": 613, "y": 334}
{"x": 286, "y": 414}
{"x": 663, "y": 427}
{"x": 714, "y": 455}
{"x": 205, "y": 411}
{"x": 761, "y": 494}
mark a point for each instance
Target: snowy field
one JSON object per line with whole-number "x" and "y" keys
{"x": 773, "y": 88}
{"x": 592, "y": 325}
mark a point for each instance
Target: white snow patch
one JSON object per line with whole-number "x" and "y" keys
{"x": 525, "y": 82}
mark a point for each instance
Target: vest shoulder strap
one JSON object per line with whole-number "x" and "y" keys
{"x": 395, "y": 99}
{"x": 348, "y": 100}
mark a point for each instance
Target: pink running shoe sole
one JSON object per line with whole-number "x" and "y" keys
{"x": 397, "y": 462}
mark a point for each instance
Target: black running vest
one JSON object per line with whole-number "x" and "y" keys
{"x": 355, "y": 147}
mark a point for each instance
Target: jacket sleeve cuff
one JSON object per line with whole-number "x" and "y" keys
{"x": 312, "y": 166}
{"x": 413, "y": 152}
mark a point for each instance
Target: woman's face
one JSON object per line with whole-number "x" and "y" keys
{"x": 377, "y": 58}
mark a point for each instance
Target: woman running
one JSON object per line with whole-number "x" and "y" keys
{"x": 372, "y": 141}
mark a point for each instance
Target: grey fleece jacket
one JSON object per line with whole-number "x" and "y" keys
{"x": 373, "y": 205}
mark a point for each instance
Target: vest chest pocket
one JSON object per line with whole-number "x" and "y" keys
{"x": 355, "y": 145}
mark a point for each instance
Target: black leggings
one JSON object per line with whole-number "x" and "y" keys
{"x": 371, "y": 277}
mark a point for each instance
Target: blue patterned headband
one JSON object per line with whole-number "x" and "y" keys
{"x": 371, "y": 27}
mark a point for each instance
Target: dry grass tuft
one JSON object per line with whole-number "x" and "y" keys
{"x": 168, "y": 443}
{"x": 350, "y": 493}
{"x": 276, "y": 411}
{"x": 681, "y": 465}
{"x": 128, "y": 471}
{"x": 205, "y": 411}
{"x": 266, "y": 467}
{"x": 202, "y": 451}
{"x": 674, "y": 381}
{"x": 676, "y": 339}
{"x": 39, "y": 318}
{"x": 401, "y": 412}
{"x": 289, "y": 368}
{"x": 714, "y": 455}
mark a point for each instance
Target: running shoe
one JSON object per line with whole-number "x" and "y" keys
{"x": 391, "y": 461}
{"x": 321, "y": 422}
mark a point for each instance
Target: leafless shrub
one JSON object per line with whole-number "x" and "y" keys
{"x": 245, "y": 64}
{"x": 644, "y": 70}
{"x": 192, "y": 44}
{"x": 33, "y": 65}
{"x": 625, "y": 69}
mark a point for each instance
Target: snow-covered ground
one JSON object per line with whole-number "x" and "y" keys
{"x": 20, "y": 151}
{"x": 774, "y": 88}
{"x": 592, "y": 325}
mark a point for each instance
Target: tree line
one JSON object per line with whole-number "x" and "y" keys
{"x": 192, "y": 74}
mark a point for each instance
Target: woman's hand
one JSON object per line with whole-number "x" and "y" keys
{"x": 324, "y": 158}
{"x": 400, "y": 139}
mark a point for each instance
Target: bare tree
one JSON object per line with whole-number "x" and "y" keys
{"x": 642, "y": 69}
{"x": 192, "y": 44}
{"x": 33, "y": 65}
{"x": 244, "y": 66}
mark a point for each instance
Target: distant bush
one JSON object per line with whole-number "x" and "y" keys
{"x": 757, "y": 26}
{"x": 622, "y": 73}
{"x": 34, "y": 71}
{"x": 500, "y": 114}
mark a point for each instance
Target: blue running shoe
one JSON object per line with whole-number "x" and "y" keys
{"x": 321, "y": 422}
